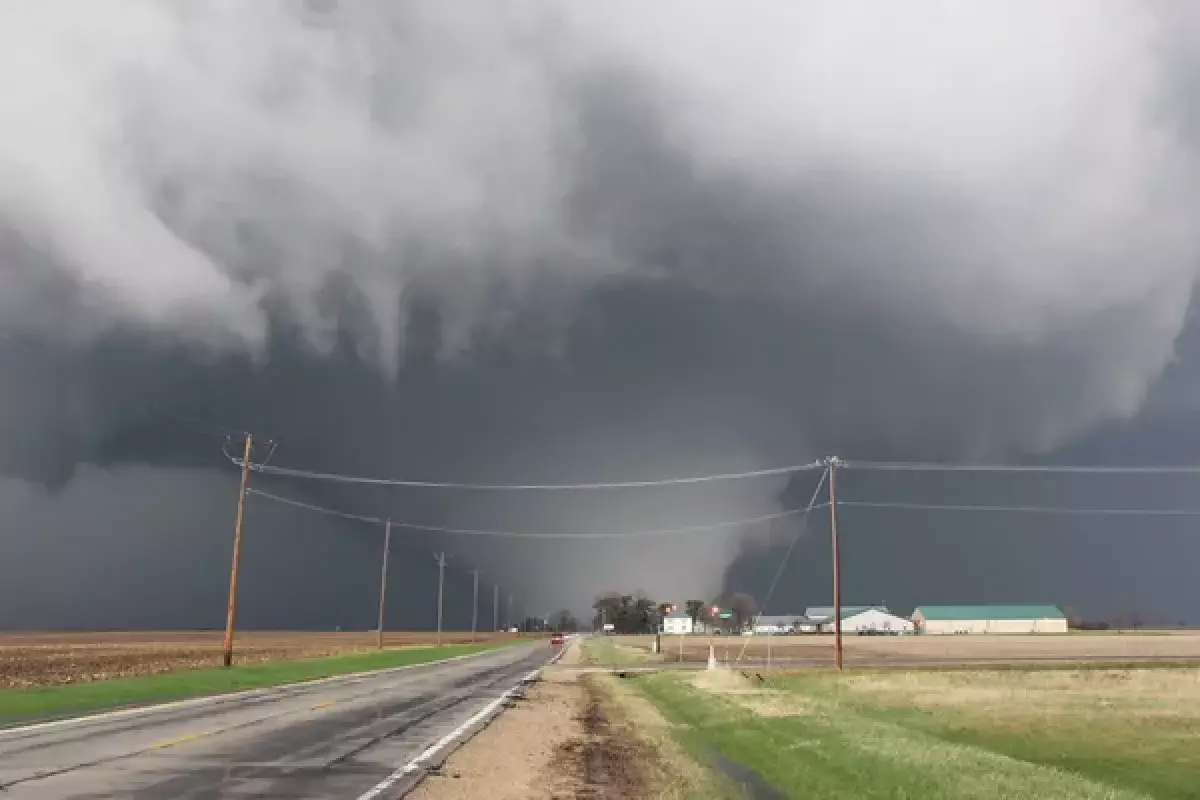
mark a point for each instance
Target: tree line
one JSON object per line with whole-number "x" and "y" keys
{"x": 639, "y": 613}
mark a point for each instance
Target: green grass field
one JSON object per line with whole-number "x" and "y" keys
{"x": 1117, "y": 734}
{"x": 610, "y": 651}
{"x": 25, "y": 705}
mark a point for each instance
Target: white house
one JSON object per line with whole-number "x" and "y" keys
{"x": 990, "y": 619}
{"x": 677, "y": 622}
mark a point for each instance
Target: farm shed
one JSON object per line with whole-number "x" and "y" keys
{"x": 872, "y": 619}
{"x": 778, "y": 623}
{"x": 822, "y": 614}
{"x": 990, "y": 619}
{"x": 860, "y": 618}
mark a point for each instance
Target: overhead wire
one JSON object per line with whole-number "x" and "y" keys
{"x": 917, "y": 466}
{"x": 292, "y": 472}
{"x": 688, "y": 529}
{"x": 888, "y": 466}
{"x": 1162, "y": 512}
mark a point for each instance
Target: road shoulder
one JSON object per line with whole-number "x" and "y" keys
{"x": 573, "y": 735}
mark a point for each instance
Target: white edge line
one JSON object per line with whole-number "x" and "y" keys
{"x": 437, "y": 747}
{"x": 213, "y": 699}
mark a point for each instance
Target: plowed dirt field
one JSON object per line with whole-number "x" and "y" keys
{"x": 47, "y": 659}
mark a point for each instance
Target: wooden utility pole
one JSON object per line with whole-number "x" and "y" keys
{"x": 508, "y": 615}
{"x": 387, "y": 546}
{"x": 441, "y": 559}
{"x": 837, "y": 562}
{"x": 475, "y": 605}
{"x": 495, "y": 607}
{"x": 231, "y": 609}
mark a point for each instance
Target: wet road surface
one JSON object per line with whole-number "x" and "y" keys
{"x": 334, "y": 739}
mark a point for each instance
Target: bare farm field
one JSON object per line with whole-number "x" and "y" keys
{"x": 923, "y": 650}
{"x": 55, "y": 658}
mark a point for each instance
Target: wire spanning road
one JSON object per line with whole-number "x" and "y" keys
{"x": 359, "y": 737}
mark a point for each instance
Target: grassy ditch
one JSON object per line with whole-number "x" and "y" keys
{"x": 1118, "y": 734}
{"x": 51, "y": 702}
{"x": 666, "y": 769}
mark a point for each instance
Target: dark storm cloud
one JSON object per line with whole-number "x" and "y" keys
{"x": 537, "y": 244}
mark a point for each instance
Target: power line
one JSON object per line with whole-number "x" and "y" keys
{"x": 1161, "y": 512}
{"x": 501, "y": 487}
{"x": 812, "y": 504}
{"x": 916, "y": 466}
{"x": 873, "y": 466}
{"x": 531, "y": 534}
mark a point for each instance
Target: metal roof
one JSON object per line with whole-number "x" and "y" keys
{"x": 988, "y": 612}
{"x": 780, "y": 619}
{"x": 824, "y": 613}
{"x": 678, "y": 614}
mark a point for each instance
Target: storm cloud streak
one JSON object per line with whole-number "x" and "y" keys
{"x": 523, "y": 240}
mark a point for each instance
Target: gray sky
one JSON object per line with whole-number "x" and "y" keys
{"x": 521, "y": 242}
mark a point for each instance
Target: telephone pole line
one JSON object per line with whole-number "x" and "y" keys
{"x": 833, "y": 462}
{"x": 495, "y": 607}
{"x": 441, "y": 559}
{"x": 231, "y": 609}
{"x": 387, "y": 546}
{"x": 475, "y": 605}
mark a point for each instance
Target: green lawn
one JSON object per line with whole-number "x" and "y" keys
{"x": 1118, "y": 734}
{"x": 24, "y": 705}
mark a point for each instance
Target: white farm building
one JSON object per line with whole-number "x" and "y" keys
{"x": 860, "y": 618}
{"x": 779, "y": 624}
{"x": 990, "y": 619}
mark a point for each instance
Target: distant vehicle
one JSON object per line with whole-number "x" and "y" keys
{"x": 557, "y": 639}
{"x": 514, "y": 629}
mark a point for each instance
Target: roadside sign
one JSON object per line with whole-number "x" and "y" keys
{"x": 725, "y": 614}
{"x": 608, "y": 626}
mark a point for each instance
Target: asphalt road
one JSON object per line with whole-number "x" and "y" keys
{"x": 334, "y": 739}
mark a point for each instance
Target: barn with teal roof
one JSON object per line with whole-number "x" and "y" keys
{"x": 990, "y": 619}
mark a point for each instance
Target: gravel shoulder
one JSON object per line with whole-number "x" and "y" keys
{"x": 519, "y": 755}
{"x": 574, "y": 736}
